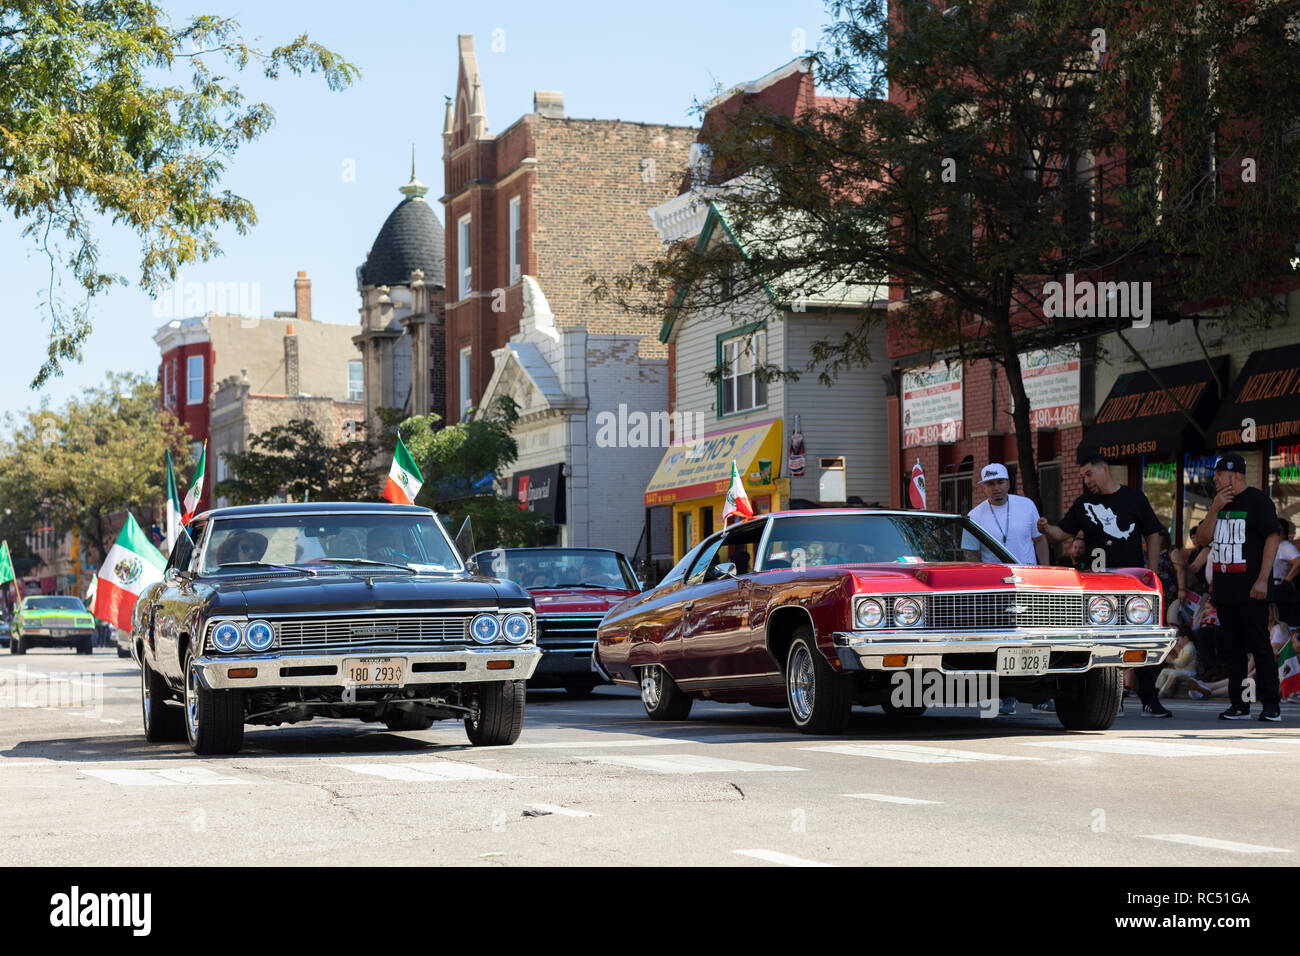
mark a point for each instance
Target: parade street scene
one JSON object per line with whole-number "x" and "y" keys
{"x": 849, "y": 434}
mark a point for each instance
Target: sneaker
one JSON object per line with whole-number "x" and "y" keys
{"x": 1195, "y": 694}
{"x": 1008, "y": 707}
{"x": 1272, "y": 716}
{"x": 1234, "y": 713}
{"x": 1046, "y": 707}
{"x": 1156, "y": 710}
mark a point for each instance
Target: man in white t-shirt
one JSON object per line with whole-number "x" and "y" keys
{"x": 1011, "y": 520}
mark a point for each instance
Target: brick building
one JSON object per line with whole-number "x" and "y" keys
{"x": 552, "y": 197}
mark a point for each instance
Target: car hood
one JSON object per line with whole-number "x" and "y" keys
{"x": 579, "y": 601}
{"x": 363, "y": 591}
{"x": 973, "y": 576}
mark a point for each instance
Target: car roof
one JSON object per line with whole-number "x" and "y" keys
{"x": 813, "y": 512}
{"x": 313, "y": 507}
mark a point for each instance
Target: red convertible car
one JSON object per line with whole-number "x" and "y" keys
{"x": 819, "y": 610}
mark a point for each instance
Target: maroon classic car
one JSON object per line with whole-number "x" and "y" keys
{"x": 821, "y": 610}
{"x": 572, "y": 589}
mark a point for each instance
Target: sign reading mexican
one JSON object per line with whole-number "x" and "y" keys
{"x": 1051, "y": 379}
{"x": 932, "y": 404}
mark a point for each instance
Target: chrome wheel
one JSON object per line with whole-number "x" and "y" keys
{"x": 192, "y": 701}
{"x": 144, "y": 695}
{"x": 651, "y": 686}
{"x": 799, "y": 683}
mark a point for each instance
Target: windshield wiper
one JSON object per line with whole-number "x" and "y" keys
{"x": 367, "y": 561}
{"x": 263, "y": 564}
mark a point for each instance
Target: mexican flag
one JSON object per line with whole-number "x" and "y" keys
{"x": 6, "y": 564}
{"x": 737, "y": 501}
{"x": 916, "y": 488}
{"x": 196, "y": 488}
{"x": 173, "y": 507}
{"x": 131, "y": 566}
{"x": 404, "y": 478}
{"x": 1288, "y": 669}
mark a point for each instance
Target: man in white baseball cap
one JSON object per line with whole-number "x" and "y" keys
{"x": 1011, "y": 520}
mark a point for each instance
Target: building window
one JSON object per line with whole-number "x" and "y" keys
{"x": 169, "y": 385}
{"x": 957, "y": 487}
{"x": 515, "y": 240}
{"x": 194, "y": 380}
{"x": 741, "y": 357}
{"x": 356, "y": 381}
{"x": 462, "y": 255}
{"x": 465, "y": 372}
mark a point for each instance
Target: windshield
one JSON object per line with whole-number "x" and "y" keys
{"x": 358, "y": 540}
{"x": 54, "y": 604}
{"x": 559, "y": 568}
{"x": 815, "y": 540}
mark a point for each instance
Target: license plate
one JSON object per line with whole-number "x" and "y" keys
{"x": 375, "y": 671}
{"x": 1017, "y": 661}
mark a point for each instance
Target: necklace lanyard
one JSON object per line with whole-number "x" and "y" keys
{"x": 999, "y": 523}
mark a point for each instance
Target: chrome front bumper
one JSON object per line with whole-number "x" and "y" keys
{"x": 1105, "y": 647}
{"x": 326, "y": 670}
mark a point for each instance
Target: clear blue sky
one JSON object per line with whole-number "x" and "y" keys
{"x": 645, "y": 62}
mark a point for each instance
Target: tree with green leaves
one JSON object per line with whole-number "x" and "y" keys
{"x": 93, "y": 127}
{"x": 102, "y": 453}
{"x": 295, "y": 460}
{"x": 459, "y": 463}
{"x": 976, "y": 152}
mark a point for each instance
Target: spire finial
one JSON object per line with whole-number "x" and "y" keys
{"x": 414, "y": 189}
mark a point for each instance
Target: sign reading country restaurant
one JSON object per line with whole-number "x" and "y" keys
{"x": 1051, "y": 378}
{"x": 932, "y": 404}
{"x": 702, "y": 469}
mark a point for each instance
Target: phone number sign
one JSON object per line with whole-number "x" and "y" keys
{"x": 932, "y": 404}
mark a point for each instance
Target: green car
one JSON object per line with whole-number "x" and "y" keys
{"x": 51, "y": 621}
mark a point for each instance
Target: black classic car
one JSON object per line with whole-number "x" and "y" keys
{"x": 274, "y": 614}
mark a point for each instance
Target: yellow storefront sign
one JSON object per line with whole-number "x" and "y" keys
{"x": 703, "y": 467}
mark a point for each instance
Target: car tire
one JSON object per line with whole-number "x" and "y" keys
{"x": 500, "y": 717}
{"x": 819, "y": 699}
{"x": 16, "y": 646}
{"x": 86, "y": 645}
{"x": 579, "y": 689}
{"x": 661, "y": 697}
{"x": 407, "y": 720}
{"x": 893, "y": 710}
{"x": 214, "y": 719}
{"x": 1095, "y": 701}
{"x": 163, "y": 722}
{"x": 122, "y": 651}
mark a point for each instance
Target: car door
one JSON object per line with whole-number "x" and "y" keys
{"x": 719, "y": 641}
{"x": 171, "y": 600}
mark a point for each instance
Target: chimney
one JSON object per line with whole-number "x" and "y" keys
{"x": 302, "y": 296}
{"x": 549, "y": 103}
{"x": 290, "y": 362}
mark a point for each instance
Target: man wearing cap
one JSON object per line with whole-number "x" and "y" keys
{"x": 1242, "y": 532}
{"x": 1011, "y": 519}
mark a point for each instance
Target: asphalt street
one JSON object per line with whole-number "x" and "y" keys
{"x": 594, "y": 782}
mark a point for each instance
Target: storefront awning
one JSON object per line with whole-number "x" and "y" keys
{"x": 541, "y": 490}
{"x": 1267, "y": 392}
{"x": 703, "y": 467}
{"x": 1140, "y": 417}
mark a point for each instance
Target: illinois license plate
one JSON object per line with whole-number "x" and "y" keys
{"x": 375, "y": 671}
{"x": 1019, "y": 661}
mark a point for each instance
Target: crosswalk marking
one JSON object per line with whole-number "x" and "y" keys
{"x": 1213, "y": 844}
{"x": 689, "y": 763}
{"x": 913, "y": 754}
{"x": 784, "y": 859}
{"x": 1145, "y": 748}
{"x": 443, "y": 770}
{"x": 560, "y": 811}
{"x": 170, "y": 776}
{"x": 587, "y": 744}
{"x": 889, "y": 798}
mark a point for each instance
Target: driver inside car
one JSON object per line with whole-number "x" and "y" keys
{"x": 242, "y": 546}
{"x": 384, "y": 544}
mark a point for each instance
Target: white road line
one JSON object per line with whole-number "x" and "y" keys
{"x": 1276, "y": 740}
{"x": 784, "y": 859}
{"x": 192, "y": 776}
{"x": 586, "y": 744}
{"x": 889, "y": 798}
{"x": 689, "y": 763}
{"x": 1213, "y": 844}
{"x": 442, "y": 771}
{"x": 561, "y": 811}
{"x": 913, "y": 754}
{"x": 108, "y": 720}
{"x": 1145, "y": 748}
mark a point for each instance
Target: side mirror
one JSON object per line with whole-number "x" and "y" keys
{"x": 726, "y": 569}
{"x": 471, "y": 565}
{"x": 640, "y": 584}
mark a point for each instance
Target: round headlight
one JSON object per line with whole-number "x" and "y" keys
{"x": 517, "y": 628}
{"x": 259, "y": 636}
{"x": 869, "y": 613}
{"x": 1101, "y": 609}
{"x": 1138, "y": 610}
{"x": 907, "y": 611}
{"x": 485, "y": 628}
{"x": 226, "y": 636}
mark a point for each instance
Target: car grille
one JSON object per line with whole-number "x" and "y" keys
{"x": 564, "y": 632}
{"x": 331, "y": 634}
{"x": 1001, "y": 609}
{"x": 55, "y": 620}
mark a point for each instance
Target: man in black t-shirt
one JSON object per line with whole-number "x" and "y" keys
{"x": 1116, "y": 522}
{"x": 1242, "y": 532}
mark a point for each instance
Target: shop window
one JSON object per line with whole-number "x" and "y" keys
{"x": 706, "y": 521}
{"x": 957, "y": 487}
{"x": 1049, "y": 487}
{"x": 1284, "y": 481}
{"x": 1198, "y": 489}
{"x": 1160, "y": 485}
{"x": 686, "y": 530}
